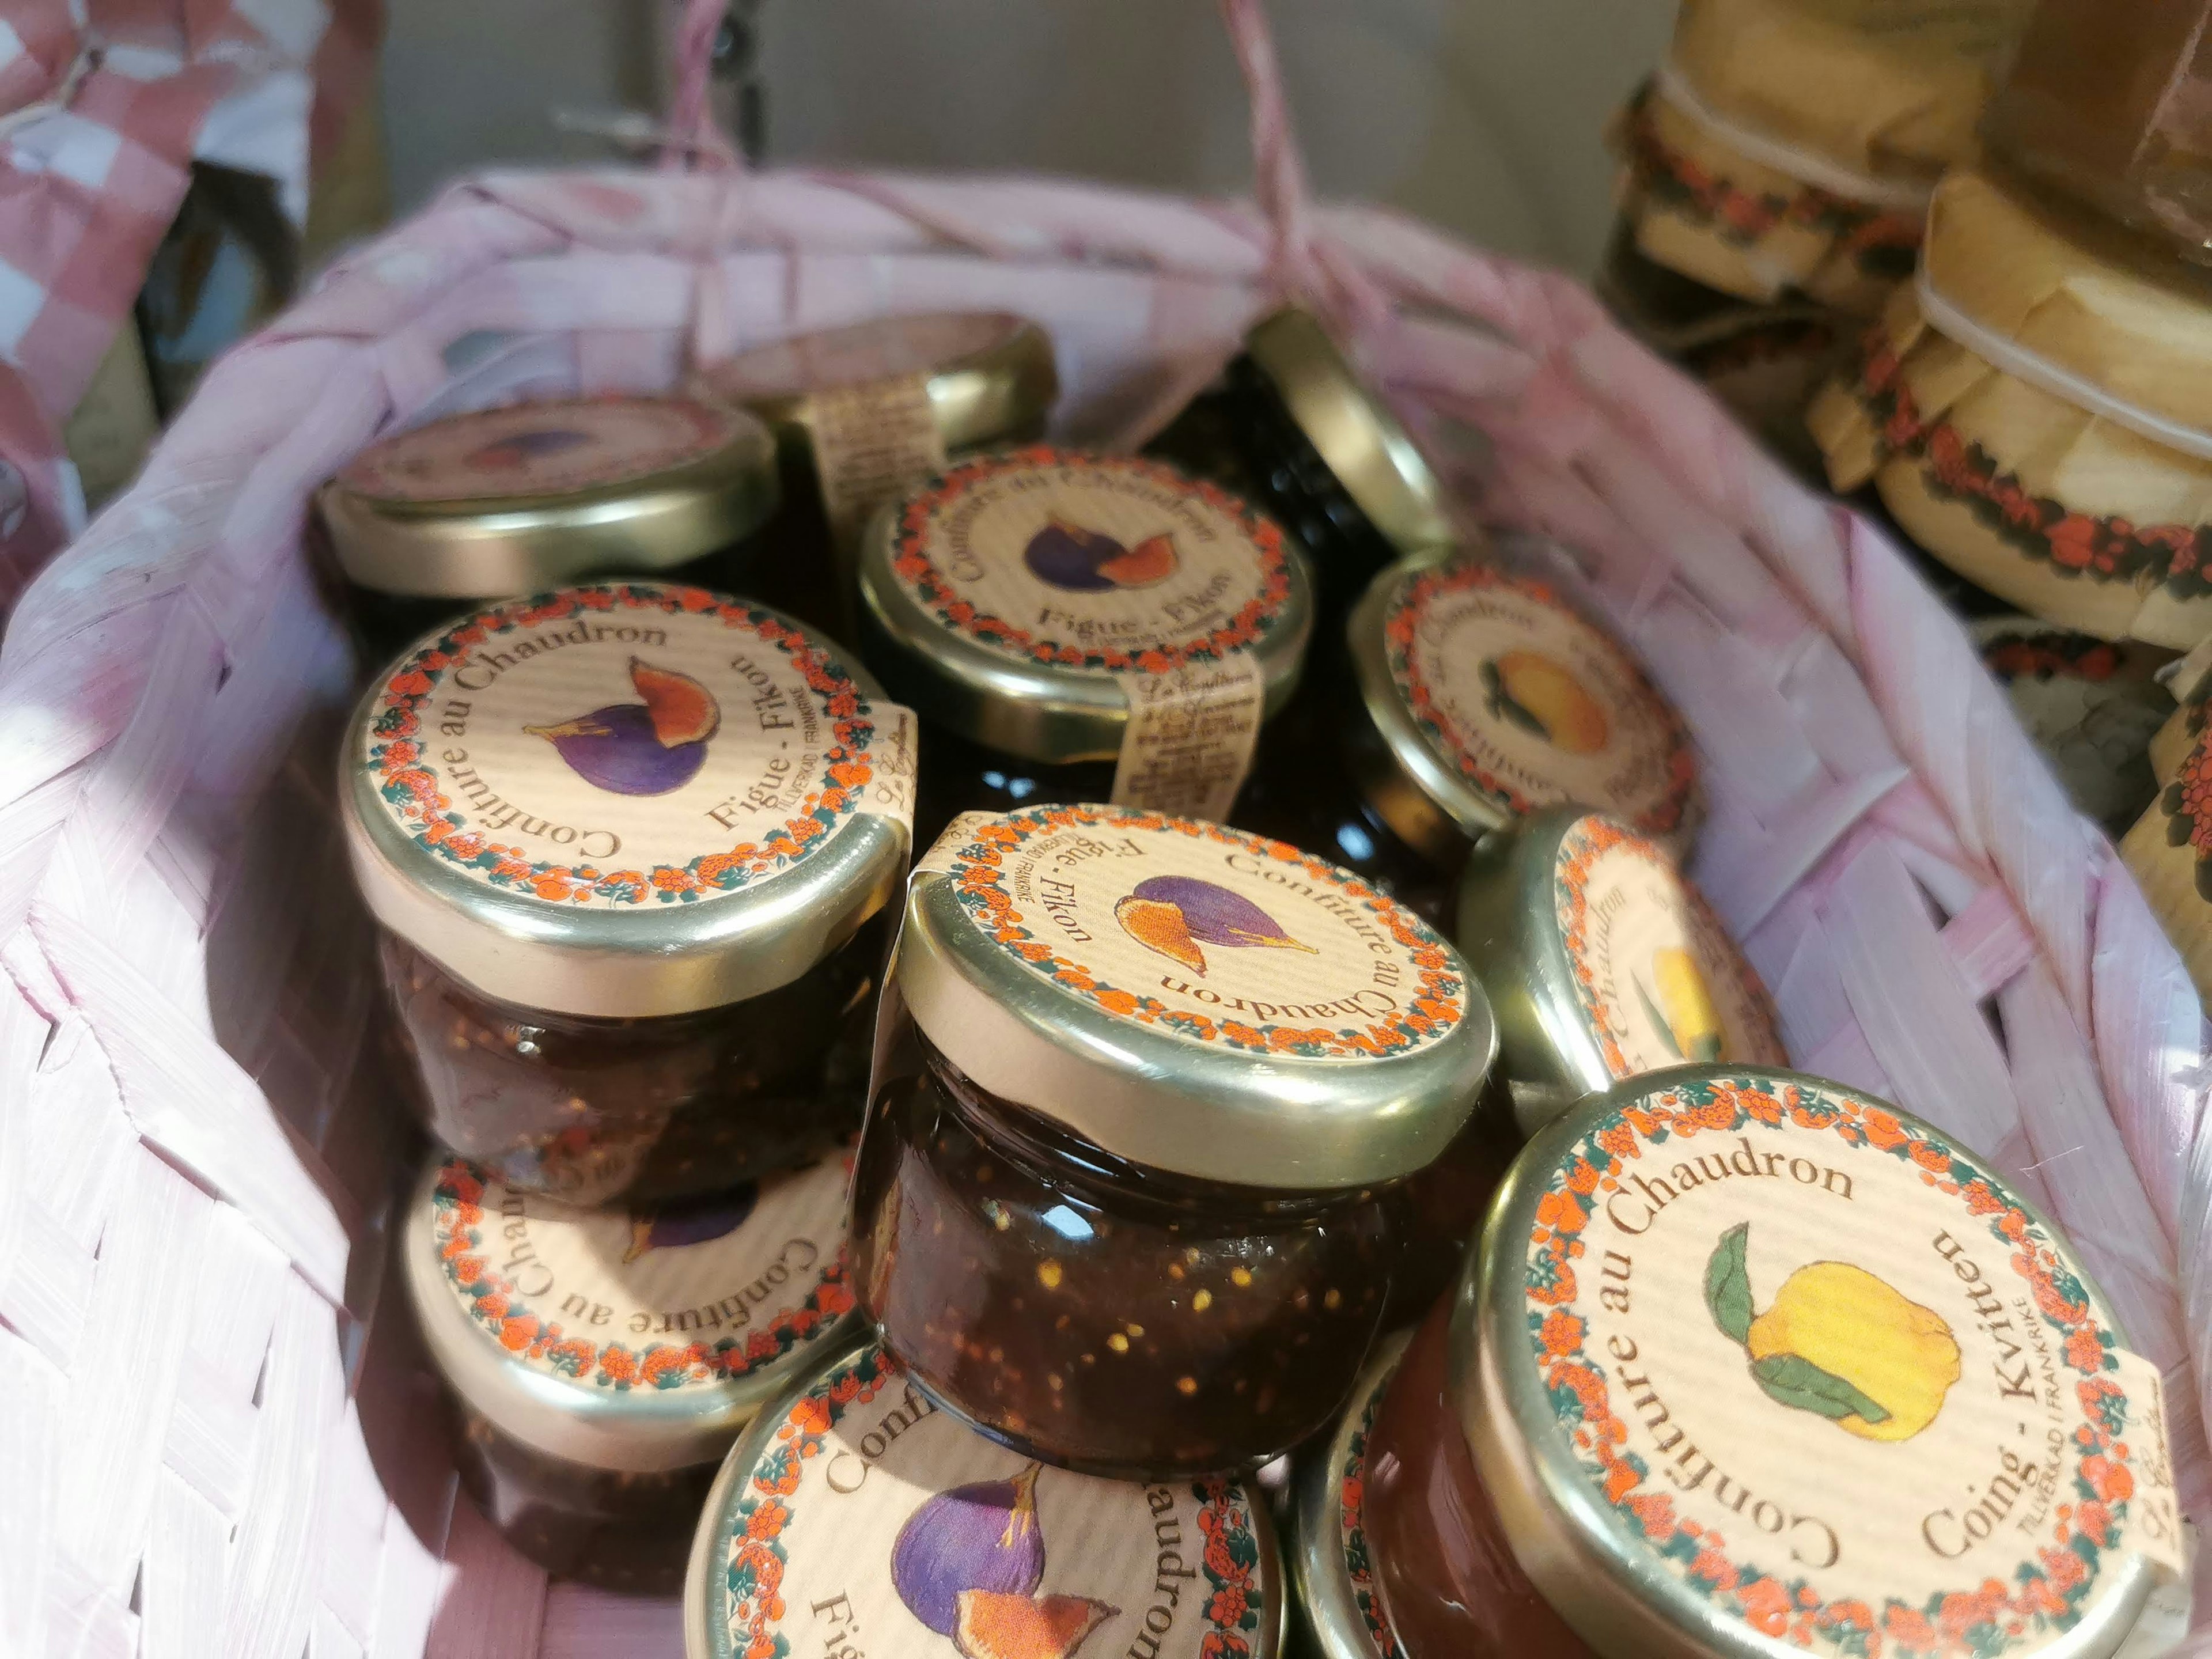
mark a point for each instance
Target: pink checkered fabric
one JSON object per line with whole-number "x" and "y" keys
{"x": 98, "y": 124}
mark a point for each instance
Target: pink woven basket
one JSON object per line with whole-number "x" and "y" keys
{"x": 212, "y": 1425}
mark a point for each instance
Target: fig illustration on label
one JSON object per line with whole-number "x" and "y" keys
{"x": 967, "y": 1563}
{"x": 645, "y": 748}
{"x": 701, "y": 1222}
{"x": 1541, "y": 696}
{"x": 1081, "y": 560}
{"x": 1679, "y": 1004}
{"x": 1838, "y": 1342}
{"x": 1177, "y": 914}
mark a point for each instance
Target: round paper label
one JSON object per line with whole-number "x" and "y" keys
{"x": 1530, "y": 703}
{"x": 1205, "y": 933}
{"x": 1092, "y": 562}
{"x": 1829, "y": 1375}
{"x": 872, "y": 1522}
{"x": 881, "y": 350}
{"x": 542, "y": 449}
{"x": 628, "y": 744}
{"x": 1657, "y": 979}
{"x": 689, "y": 1296}
{"x": 1351, "y": 1523}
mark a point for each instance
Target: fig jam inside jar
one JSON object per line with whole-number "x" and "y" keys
{"x": 631, "y": 847}
{"x": 1729, "y": 1370}
{"x": 1077, "y": 627}
{"x": 1149, "y": 1093}
{"x": 434, "y": 521}
{"x": 862, "y": 415}
{"x": 1468, "y": 696}
{"x": 857, "y": 1516}
{"x": 603, "y": 1361}
{"x": 1602, "y": 961}
{"x": 1328, "y": 460}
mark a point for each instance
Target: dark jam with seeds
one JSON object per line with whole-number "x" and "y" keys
{"x": 593, "y": 1110}
{"x": 1099, "y": 1314}
{"x": 630, "y": 1533}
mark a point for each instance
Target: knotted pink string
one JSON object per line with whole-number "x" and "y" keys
{"x": 1299, "y": 265}
{"x": 693, "y": 132}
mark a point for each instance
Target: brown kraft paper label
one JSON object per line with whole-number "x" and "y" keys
{"x": 872, "y": 443}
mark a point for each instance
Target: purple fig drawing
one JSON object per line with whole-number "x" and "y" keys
{"x": 645, "y": 748}
{"x": 517, "y": 449}
{"x": 978, "y": 1537}
{"x": 674, "y": 1226}
{"x": 1081, "y": 560}
{"x": 1175, "y": 915}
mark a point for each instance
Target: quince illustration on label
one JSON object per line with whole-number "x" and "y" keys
{"x": 1177, "y": 914}
{"x": 645, "y": 748}
{"x": 967, "y": 1563}
{"x": 1681, "y": 1004}
{"x": 1542, "y": 696}
{"x": 1079, "y": 561}
{"x": 1838, "y": 1342}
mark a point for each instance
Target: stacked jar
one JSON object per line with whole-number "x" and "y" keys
{"x": 1776, "y": 172}
{"x": 632, "y": 849}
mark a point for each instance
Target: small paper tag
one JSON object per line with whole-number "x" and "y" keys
{"x": 872, "y": 442}
{"x": 2154, "y": 1524}
{"x": 944, "y": 854}
{"x": 1188, "y": 742}
{"x": 891, "y": 754}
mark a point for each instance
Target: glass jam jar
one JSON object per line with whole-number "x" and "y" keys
{"x": 463, "y": 510}
{"x": 1748, "y": 1363}
{"x": 631, "y": 847}
{"x": 1332, "y": 464}
{"x": 1076, "y": 627}
{"x": 604, "y": 1360}
{"x": 1602, "y": 961}
{"x": 865, "y": 413}
{"x": 2108, "y": 106}
{"x": 1148, "y": 1092}
{"x": 1476, "y": 695}
{"x": 857, "y": 1516}
{"x": 1334, "y": 1604}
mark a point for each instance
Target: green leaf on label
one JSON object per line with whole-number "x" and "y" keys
{"x": 1793, "y": 1381}
{"x": 1728, "y": 1285}
{"x": 1666, "y": 1031}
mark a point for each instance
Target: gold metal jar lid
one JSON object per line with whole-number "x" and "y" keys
{"x": 988, "y": 375}
{"x": 1487, "y": 698}
{"x": 1753, "y": 1364}
{"x": 1332, "y": 1564}
{"x": 857, "y": 1516}
{"x": 1361, "y": 442}
{"x": 1192, "y": 998}
{"x": 1602, "y": 962}
{"x": 1021, "y": 599}
{"x": 633, "y": 1340}
{"x": 524, "y": 498}
{"x": 626, "y": 799}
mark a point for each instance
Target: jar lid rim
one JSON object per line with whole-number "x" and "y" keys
{"x": 482, "y": 871}
{"x": 1126, "y": 1001}
{"x": 701, "y": 476}
{"x": 1577, "y": 1531}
